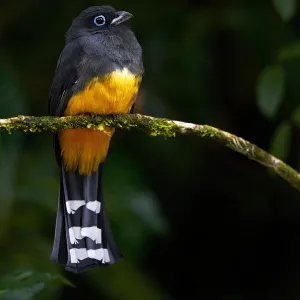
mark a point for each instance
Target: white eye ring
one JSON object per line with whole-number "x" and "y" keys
{"x": 99, "y": 20}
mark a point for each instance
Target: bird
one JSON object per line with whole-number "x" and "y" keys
{"x": 99, "y": 71}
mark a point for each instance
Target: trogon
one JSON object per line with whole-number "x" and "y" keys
{"x": 99, "y": 71}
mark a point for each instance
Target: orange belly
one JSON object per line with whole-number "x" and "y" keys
{"x": 85, "y": 149}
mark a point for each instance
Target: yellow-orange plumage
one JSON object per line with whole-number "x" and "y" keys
{"x": 85, "y": 149}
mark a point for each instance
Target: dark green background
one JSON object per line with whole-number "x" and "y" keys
{"x": 194, "y": 220}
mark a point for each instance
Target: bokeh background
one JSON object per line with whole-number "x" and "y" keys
{"x": 194, "y": 220}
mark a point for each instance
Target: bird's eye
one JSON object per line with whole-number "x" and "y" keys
{"x": 99, "y": 20}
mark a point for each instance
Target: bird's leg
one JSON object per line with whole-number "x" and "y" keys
{"x": 93, "y": 116}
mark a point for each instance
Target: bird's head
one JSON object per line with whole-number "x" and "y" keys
{"x": 98, "y": 20}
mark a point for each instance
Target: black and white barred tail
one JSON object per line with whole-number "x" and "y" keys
{"x": 83, "y": 239}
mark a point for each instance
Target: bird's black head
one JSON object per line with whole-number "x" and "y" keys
{"x": 98, "y": 19}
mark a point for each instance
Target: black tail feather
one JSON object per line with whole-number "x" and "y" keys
{"x": 83, "y": 239}
{"x": 60, "y": 251}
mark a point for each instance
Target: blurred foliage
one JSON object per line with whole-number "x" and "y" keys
{"x": 281, "y": 141}
{"x": 286, "y": 8}
{"x": 25, "y": 284}
{"x": 191, "y": 217}
{"x": 270, "y": 90}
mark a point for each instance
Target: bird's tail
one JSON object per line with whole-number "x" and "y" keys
{"x": 83, "y": 239}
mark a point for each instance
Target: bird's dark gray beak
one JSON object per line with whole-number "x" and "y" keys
{"x": 122, "y": 16}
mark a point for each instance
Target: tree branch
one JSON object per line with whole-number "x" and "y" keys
{"x": 154, "y": 127}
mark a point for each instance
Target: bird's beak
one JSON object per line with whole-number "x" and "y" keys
{"x": 122, "y": 17}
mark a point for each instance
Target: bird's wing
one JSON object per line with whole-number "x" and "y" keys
{"x": 66, "y": 75}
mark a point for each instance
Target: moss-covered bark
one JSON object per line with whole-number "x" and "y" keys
{"x": 154, "y": 127}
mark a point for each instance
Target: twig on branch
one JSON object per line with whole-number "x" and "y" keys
{"x": 154, "y": 127}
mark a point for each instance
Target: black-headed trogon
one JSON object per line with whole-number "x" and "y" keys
{"x": 99, "y": 71}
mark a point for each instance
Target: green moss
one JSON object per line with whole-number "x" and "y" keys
{"x": 156, "y": 127}
{"x": 206, "y": 131}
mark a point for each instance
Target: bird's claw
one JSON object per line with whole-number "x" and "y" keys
{"x": 93, "y": 116}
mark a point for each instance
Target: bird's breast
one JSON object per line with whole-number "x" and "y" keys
{"x": 114, "y": 93}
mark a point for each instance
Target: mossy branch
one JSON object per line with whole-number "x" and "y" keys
{"x": 154, "y": 127}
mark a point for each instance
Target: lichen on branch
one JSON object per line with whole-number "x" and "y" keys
{"x": 154, "y": 127}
